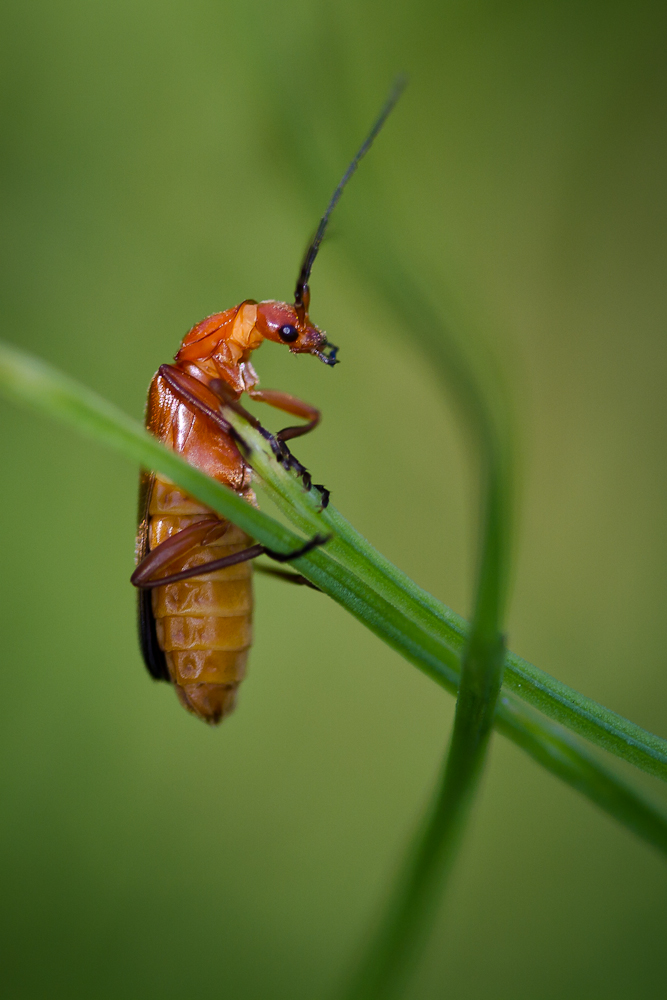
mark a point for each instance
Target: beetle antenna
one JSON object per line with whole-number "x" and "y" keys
{"x": 302, "y": 292}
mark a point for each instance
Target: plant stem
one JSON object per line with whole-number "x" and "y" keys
{"x": 410, "y": 917}
{"x": 563, "y": 754}
{"x": 600, "y": 725}
{"x": 28, "y": 380}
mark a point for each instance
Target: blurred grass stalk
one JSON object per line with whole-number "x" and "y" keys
{"x": 477, "y": 390}
{"x": 424, "y": 631}
{"x": 405, "y": 929}
{"x": 434, "y": 636}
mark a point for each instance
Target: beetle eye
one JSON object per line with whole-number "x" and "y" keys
{"x": 288, "y": 333}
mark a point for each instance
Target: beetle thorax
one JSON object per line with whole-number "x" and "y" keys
{"x": 244, "y": 335}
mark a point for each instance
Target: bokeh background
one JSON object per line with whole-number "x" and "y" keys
{"x": 162, "y": 161}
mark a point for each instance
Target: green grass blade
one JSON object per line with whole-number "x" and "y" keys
{"x": 583, "y": 715}
{"x": 33, "y": 382}
{"x": 563, "y": 754}
{"x": 411, "y": 915}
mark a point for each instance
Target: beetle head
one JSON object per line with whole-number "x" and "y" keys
{"x": 288, "y": 324}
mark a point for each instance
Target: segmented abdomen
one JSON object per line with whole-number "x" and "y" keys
{"x": 203, "y": 624}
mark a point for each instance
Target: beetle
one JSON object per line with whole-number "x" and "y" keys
{"x": 194, "y": 567}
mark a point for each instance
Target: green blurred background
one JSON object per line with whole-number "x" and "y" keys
{"x": 162, "y": 161}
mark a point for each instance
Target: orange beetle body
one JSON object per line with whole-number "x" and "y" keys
{"x": 196, "y": 632}
{"x": 194, "y": 567}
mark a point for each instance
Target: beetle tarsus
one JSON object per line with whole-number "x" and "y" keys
{"x": 307, "y": 547}
{"x": 324, "y": 502}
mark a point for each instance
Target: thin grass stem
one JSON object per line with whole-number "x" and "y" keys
{"x": 409, "y": 919}
{"x": 30, "y": 381}
{"x": 607, "y": 729}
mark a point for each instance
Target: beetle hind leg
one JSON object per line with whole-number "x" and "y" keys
{"x": 288, "y": 577}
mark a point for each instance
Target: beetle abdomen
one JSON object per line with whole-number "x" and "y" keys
{"x": 203, "y": 624}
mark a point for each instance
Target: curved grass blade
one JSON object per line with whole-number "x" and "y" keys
{"x": 607, "y": 729}
{"x": 33, "y": 382}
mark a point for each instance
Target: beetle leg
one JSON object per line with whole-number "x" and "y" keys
{"x": 289, "y": 404}
{"x": 286, "y": 576}
{"x": 312, "y": 543}
{"x": 298, "y": 408}
{"x": 193, "y": 392}
{"x": 273, "y": 397}
{"x": 210, "y": 567}
{"x": 189, "y": 389}
{"x": 199, "y": 533}
{"x": 144, "y": 578}
{"x": 283, "y": 401}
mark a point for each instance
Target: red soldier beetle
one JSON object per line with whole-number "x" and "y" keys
{"x": 194, "y": 567}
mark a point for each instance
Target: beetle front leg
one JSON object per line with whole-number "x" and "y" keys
{"x": 289, "y": 404}
{"x": 298, "y": 408}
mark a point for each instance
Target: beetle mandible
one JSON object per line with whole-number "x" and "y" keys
{"x": 193, "y": 566}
